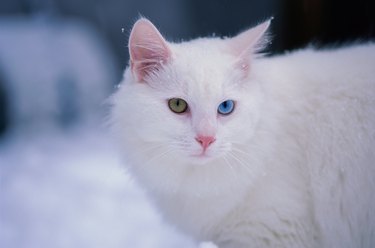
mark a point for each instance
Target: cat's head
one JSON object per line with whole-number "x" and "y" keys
{"x": 193, "y": 102}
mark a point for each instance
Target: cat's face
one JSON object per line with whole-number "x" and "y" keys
{"x": 195, "y": 101}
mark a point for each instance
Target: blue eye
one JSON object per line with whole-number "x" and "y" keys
{"x": 226, "y": 107}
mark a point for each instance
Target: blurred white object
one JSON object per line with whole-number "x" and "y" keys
{"x": 207, "y": 245}
{"x": 68, "y": 190}
{"x": 55, "y": 72}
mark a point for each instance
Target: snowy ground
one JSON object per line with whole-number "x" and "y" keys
{"x": 68, "y": 189}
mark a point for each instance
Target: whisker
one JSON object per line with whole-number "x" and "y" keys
{"x": 181, "y": 143}
{"x": 150, "y": 148}
{"x": 159, "y": 155}
{"x": 230, "y": 166}
{"x": 240, "y": 150}
{"x": 241, "y": 162}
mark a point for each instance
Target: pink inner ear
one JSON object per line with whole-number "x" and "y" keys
{"x": 247, "y": 43}
{"x": 148, "y": 49}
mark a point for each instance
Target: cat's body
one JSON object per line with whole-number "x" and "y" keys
{"x": 292, "y": 166}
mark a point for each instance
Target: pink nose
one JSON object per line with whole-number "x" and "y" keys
{"x": 205, "y": 141}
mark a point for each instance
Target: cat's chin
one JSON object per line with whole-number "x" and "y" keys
{"x": 201, "y": 159}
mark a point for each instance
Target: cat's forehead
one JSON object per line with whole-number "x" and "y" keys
{"x": 208, "y": 52}
{"x": 202, "y": 66}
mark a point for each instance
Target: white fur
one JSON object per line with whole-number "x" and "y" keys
{"x": 292, "y": 166}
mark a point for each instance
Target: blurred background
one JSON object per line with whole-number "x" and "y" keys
{"x": 58, "y": 47}
{"x": 61, "y": 181}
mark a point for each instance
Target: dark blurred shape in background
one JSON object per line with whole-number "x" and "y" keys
{"x": 55, "y": 72}
{"x": 326, "y": 22}
{"x": 102, "y": 27}
{"x": 3, "y": 108}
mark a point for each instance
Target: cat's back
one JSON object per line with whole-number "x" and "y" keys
{"x": 328, "y": 99}
{"x": 311, "y": 68}
{"x": 334, "y": 83}
{"x": 324, "y": 89}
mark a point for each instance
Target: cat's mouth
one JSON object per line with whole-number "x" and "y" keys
{"x": 202, "y": 157}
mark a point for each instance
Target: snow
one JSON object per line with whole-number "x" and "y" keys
{"x": 62, "y": 183}
{"x": 70, "y": 189}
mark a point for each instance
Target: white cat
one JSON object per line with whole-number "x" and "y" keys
{"x": 251, "y": 151}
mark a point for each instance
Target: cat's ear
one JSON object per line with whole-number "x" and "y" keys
{"x": 248, "y": 43}
{"x": 147, "y": 48}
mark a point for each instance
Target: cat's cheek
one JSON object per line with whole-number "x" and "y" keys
{"x": 240, "y": 129}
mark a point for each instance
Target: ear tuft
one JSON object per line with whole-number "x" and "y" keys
{"x": 251, "y": 40}
{"x": 149, "y": 51}
{"x": 248, "y": 43}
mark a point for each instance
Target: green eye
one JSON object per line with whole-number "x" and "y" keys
{"x": 177, "y": 105}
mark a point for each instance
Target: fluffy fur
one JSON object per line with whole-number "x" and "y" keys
{"x": 292, "y": 166}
